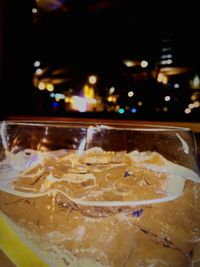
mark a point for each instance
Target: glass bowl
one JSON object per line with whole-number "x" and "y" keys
{"x": 85, "y": 194}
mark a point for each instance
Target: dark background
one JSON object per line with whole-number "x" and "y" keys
{"x": 93, "y": 37}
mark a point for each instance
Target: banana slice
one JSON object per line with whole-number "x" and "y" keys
{"x": 17, "y": 250}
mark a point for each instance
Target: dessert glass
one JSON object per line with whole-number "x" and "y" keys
{"x": 101, "y": 195}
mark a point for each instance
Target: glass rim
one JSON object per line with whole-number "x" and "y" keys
{"x": 126, "y": 126}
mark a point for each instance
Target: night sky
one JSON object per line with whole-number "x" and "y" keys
{"x": 86, "y": 33}
{"x": 91, "y": 36}
{"x": 99, "y": 32}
